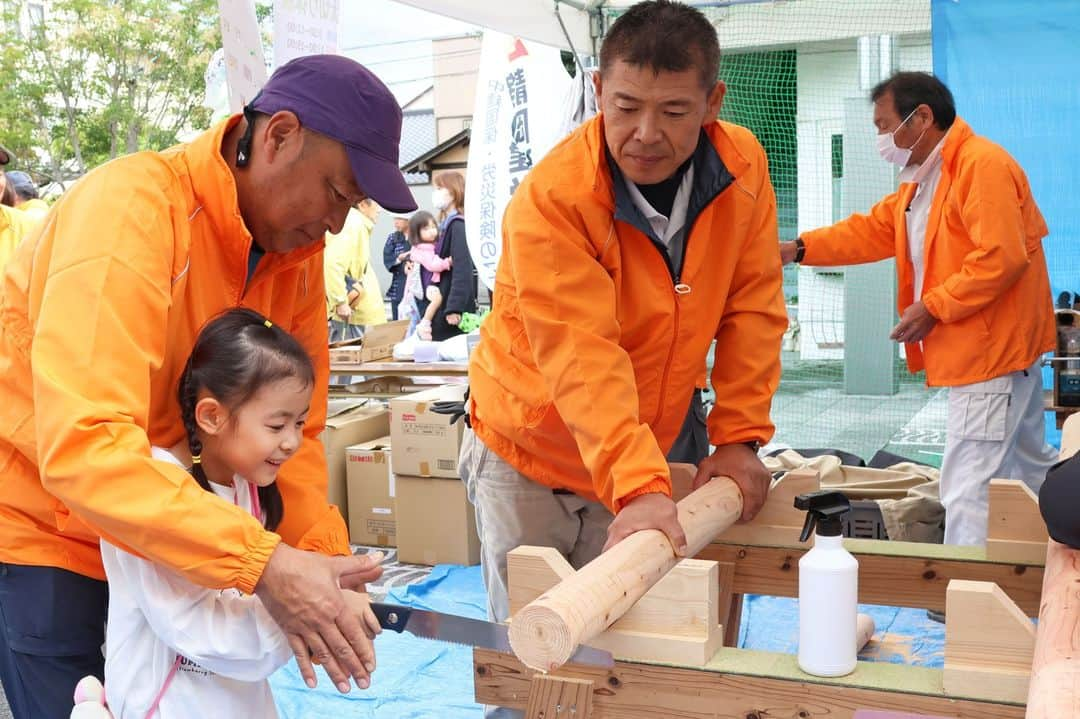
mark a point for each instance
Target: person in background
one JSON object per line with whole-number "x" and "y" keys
{"x": 26, "y": 195}
{"x": 8, "y": 198}
{"x": 353, "y": 297}
{"x": 974, "y": 294}
{"x": 457, "y": 286}
{"x": 146, "y": 249}
{"x": 423, "y": 236}
{"x": 395, "y": 259}
{"x": 15, "y": 224}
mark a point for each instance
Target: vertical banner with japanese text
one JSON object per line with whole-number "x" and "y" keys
{"x": 520, "y": 93}
{"x": 245, "y": 63}
{"x": 305, "y": 27}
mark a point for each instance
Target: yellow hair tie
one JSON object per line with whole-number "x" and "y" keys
{"x": 268, "y": 324}
{"x": 196, "y": 459}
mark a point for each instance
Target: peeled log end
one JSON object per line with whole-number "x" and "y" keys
{"x": 541, "y": 639}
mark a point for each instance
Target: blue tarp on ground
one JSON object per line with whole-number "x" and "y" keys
{"x": 901, "y": 636}
{"x": 415, "y": 678}
{"x": 418, "y": 679}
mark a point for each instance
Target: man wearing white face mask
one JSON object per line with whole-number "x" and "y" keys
{"x": 974, "y": 296}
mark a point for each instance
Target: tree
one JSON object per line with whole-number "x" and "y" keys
{"x": 95, "y": 79}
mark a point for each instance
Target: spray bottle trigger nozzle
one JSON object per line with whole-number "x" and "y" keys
{"x": 808, "y": 526}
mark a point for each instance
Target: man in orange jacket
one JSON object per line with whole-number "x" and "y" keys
{"x": 641, "y": 238}
{"x": 974, "y": 295}
{"x": 143, "y": 251}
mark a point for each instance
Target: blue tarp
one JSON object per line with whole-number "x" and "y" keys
{"x": 415, "y": 678}
{"x": 1011, "y": 67}
{"x": 418, "y": 679}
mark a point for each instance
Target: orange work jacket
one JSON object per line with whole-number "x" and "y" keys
{"x": 98, "y": 314}
{"x": 985, "y": 269}
{"x": 587, "y": 362}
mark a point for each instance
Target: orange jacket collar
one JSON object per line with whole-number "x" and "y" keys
{"x": 603, "y": 185}
{"x": 214, "y": 187}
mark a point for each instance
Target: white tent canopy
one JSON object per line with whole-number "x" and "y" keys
{"x": 531, "y": 19}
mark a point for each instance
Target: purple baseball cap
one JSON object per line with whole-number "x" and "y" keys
{"x": 342, "y": 99}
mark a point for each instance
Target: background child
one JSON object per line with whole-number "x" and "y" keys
{"x": 423, "y": 234}
{"x": 174, "y": 649}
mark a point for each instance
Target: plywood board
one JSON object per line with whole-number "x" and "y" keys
{"x": 738, "y": 683}
{"x": 892, "y": 579}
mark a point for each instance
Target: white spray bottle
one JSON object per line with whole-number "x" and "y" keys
{"x": 828, "y": 588}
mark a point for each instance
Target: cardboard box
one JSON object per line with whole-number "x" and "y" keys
{"x": 425, "y": 443}
{"x": 379, "y": 340}
{"x": 345, "y": 351}
{"x": 435, "y": 522}
{"x": 371, "y": 486}
{"x": 349, "y": 422}
{"x": 390, "y": 385}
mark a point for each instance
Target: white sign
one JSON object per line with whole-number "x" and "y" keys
{"x": 245, "y": 64}
{"x": 516, "y": 120}
{"x": 305, "y": 27}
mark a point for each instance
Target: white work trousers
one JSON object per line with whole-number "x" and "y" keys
{"x": 995, "y": 430}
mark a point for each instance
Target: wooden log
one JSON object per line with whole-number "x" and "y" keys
{"x": 1054, "y": 690}
{"x": 864, "y": 631}
{"x": 676, "y": 620}
{"x": 547, "y": 631}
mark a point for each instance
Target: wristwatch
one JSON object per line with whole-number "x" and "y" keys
{"x": 800, "y": 249}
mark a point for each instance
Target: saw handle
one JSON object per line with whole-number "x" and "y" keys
{"x": 391, "y": 616}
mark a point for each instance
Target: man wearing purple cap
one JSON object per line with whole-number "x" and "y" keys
{"x": 147, "y": 249}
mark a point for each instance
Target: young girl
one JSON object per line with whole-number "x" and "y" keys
{"x": 174, "y": 649}
{"x": 423, "y": 234}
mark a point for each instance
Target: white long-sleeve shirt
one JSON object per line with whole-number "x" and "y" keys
{"x": 228, "y": 643}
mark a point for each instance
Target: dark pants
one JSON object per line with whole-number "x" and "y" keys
{"x": 53, "y": 627}
{"x": 692, "y": 444}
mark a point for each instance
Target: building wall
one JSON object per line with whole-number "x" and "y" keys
{"x": 457, "y": 65}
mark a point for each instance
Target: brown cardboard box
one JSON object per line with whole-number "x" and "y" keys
{"x": 371, "y": 493}
{"x": 379, "y": 340}
{"x": 425, "y": 443}
{"x": 435, "y": 522}
{"x": 349, "y": 422}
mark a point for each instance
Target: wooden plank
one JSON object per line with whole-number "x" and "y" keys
{"x": 407, "y": 369}
{"x": 884, "y": 578}
{"x": 738, "y": 683}
{"x": 675, "y": 621}
{"x": 729, "y": 605}
{"x": 778, "y": 522}
{"x": 559, "y": 698}
{"x": 989, "y": 643}
{"x": 1015, "y": 530}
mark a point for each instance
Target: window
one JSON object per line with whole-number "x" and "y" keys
{"x": 35, "y": 13}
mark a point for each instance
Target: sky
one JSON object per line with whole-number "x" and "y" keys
{"x": 394, "y": 41}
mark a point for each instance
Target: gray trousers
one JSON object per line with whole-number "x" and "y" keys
{"x": 512, "y": 510}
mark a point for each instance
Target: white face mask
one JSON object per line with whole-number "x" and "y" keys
{"x": 440, "y": 198}
{"x": 888, "y": 150}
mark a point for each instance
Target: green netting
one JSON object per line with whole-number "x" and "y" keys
{"x": 798, "y": 75}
